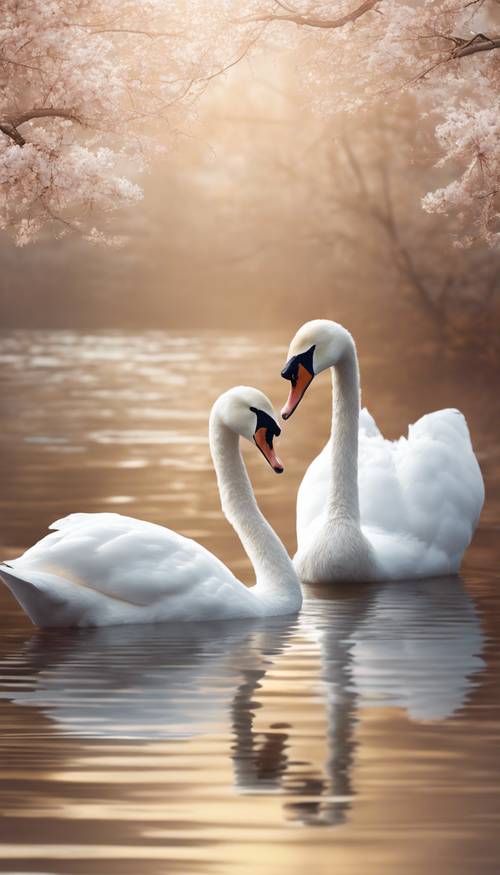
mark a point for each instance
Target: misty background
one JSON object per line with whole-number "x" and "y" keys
{"x": 259, "y": 215}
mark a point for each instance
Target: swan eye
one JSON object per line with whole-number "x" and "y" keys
{"x": 267, "y": 422}
{"x": 291, "y": 369}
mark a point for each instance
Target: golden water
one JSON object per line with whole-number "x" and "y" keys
{"x": 361, "y": 736}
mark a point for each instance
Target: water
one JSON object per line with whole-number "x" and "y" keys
{"x": 361, "y": 736}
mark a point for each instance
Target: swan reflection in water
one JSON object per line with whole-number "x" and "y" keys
{"x": 413, "y": 646}
{"x": 144, "y": 682}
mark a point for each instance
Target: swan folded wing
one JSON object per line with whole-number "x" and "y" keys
{"x": 427, "y": 486}
{"x": 381, "y": 499}
{"x": 420, "y": 496}
{"x": 442, "y": 482}
{"x": 403, "y": 556}
{"x": 377, "y": 476}
{"x": 367, "y": 424}
{"x": 77, "y": 519}
{"x": 217, "y": 599}
{"x": 130, "y": 560}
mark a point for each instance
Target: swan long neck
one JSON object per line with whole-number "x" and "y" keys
{"x": 343, "y": 499}
{"x": 275, "y": 574}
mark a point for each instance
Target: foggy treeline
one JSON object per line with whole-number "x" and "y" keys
{"x": 261, "y": 215}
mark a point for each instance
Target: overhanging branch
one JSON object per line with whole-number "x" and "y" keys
{"x": 9, "y": 126}
{"x": 461, "y": 49}
{"x": 47, "y": 112}
{"x": 311, "y": 21}
{"x": 479, "y": 43}
{"x": 10, "y": 131}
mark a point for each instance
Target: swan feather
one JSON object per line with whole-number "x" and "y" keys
{"x": 420, "y": 496}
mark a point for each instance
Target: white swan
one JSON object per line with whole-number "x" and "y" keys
{"x": 369, "y": 508}
{"x": 105, "y": 569}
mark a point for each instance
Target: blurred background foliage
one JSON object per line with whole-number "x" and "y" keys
{"x": 259, "y": 214}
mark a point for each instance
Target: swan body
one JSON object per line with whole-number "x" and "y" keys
{"x": 106, "y": 569}
{"x": 373, "y": 509}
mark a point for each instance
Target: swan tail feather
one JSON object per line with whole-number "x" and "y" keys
{"x": 42, "y": 597}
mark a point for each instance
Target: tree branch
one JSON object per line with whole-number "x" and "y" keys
{"x": 9, "y": 126}
{"x": 310, "y": 21}
{"x": 386, "y": 217}
{"x": 10, "y": 131}
{"x": 462, "y": 49}
{"x": 94, "y": 29}
{"x": 479, "y": 43}
{"x": 47, "y": 112}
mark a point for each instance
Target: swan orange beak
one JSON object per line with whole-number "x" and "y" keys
{"x": 261, "y": 438}
{"x": 297, "y": 390}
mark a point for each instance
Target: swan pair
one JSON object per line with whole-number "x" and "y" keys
{"x": 412, "y": 514}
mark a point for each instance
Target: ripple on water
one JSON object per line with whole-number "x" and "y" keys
{"x": 361, "y": 736}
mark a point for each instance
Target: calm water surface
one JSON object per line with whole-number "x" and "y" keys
{"x": 361, "y": 736}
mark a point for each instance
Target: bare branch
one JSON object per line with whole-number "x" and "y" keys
{"x": 355, "y": 167}
{"x": 46, "y": 112}
{"x": 479, "y": 43}
{"x": 9, "y": 126}
{"x": 245, "y": 51}
{"x": 94, "y": 29}
{"x": 10, "y": 131}
{"x": 462, "y": 49}
{"x": 310, "y": 21}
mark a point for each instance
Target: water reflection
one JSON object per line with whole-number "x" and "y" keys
{"x": 370, "y": 719}
{"x": 142, "y": 682}
{"x": 412, "y": 646}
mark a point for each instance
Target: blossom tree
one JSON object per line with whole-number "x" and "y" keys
{"x": 444, "y": 51}
{"x": 87, "y": 83}
{"x": 85, "y": 86}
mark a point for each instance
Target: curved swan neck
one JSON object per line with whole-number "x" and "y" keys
{"x": 275, "y": 574}
{"x": 343, "y": 499}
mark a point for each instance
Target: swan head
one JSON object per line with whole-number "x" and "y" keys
{"x": 318, "y": 345}
{"x": 249, "y": 413}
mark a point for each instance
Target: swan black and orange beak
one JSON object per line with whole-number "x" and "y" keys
{"x": 299, "y": 371}
{"x": 264, "y": 434}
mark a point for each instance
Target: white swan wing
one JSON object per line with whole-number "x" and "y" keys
{"x": 313, "y": 490}
{"x": 118, "y": 555}
{"x": 441, "y": 487}
{"x": 112, "y": 568}
{"x": 420, "y": 496}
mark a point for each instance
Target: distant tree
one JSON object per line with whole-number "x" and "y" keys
{"x": 364, "y": 182}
